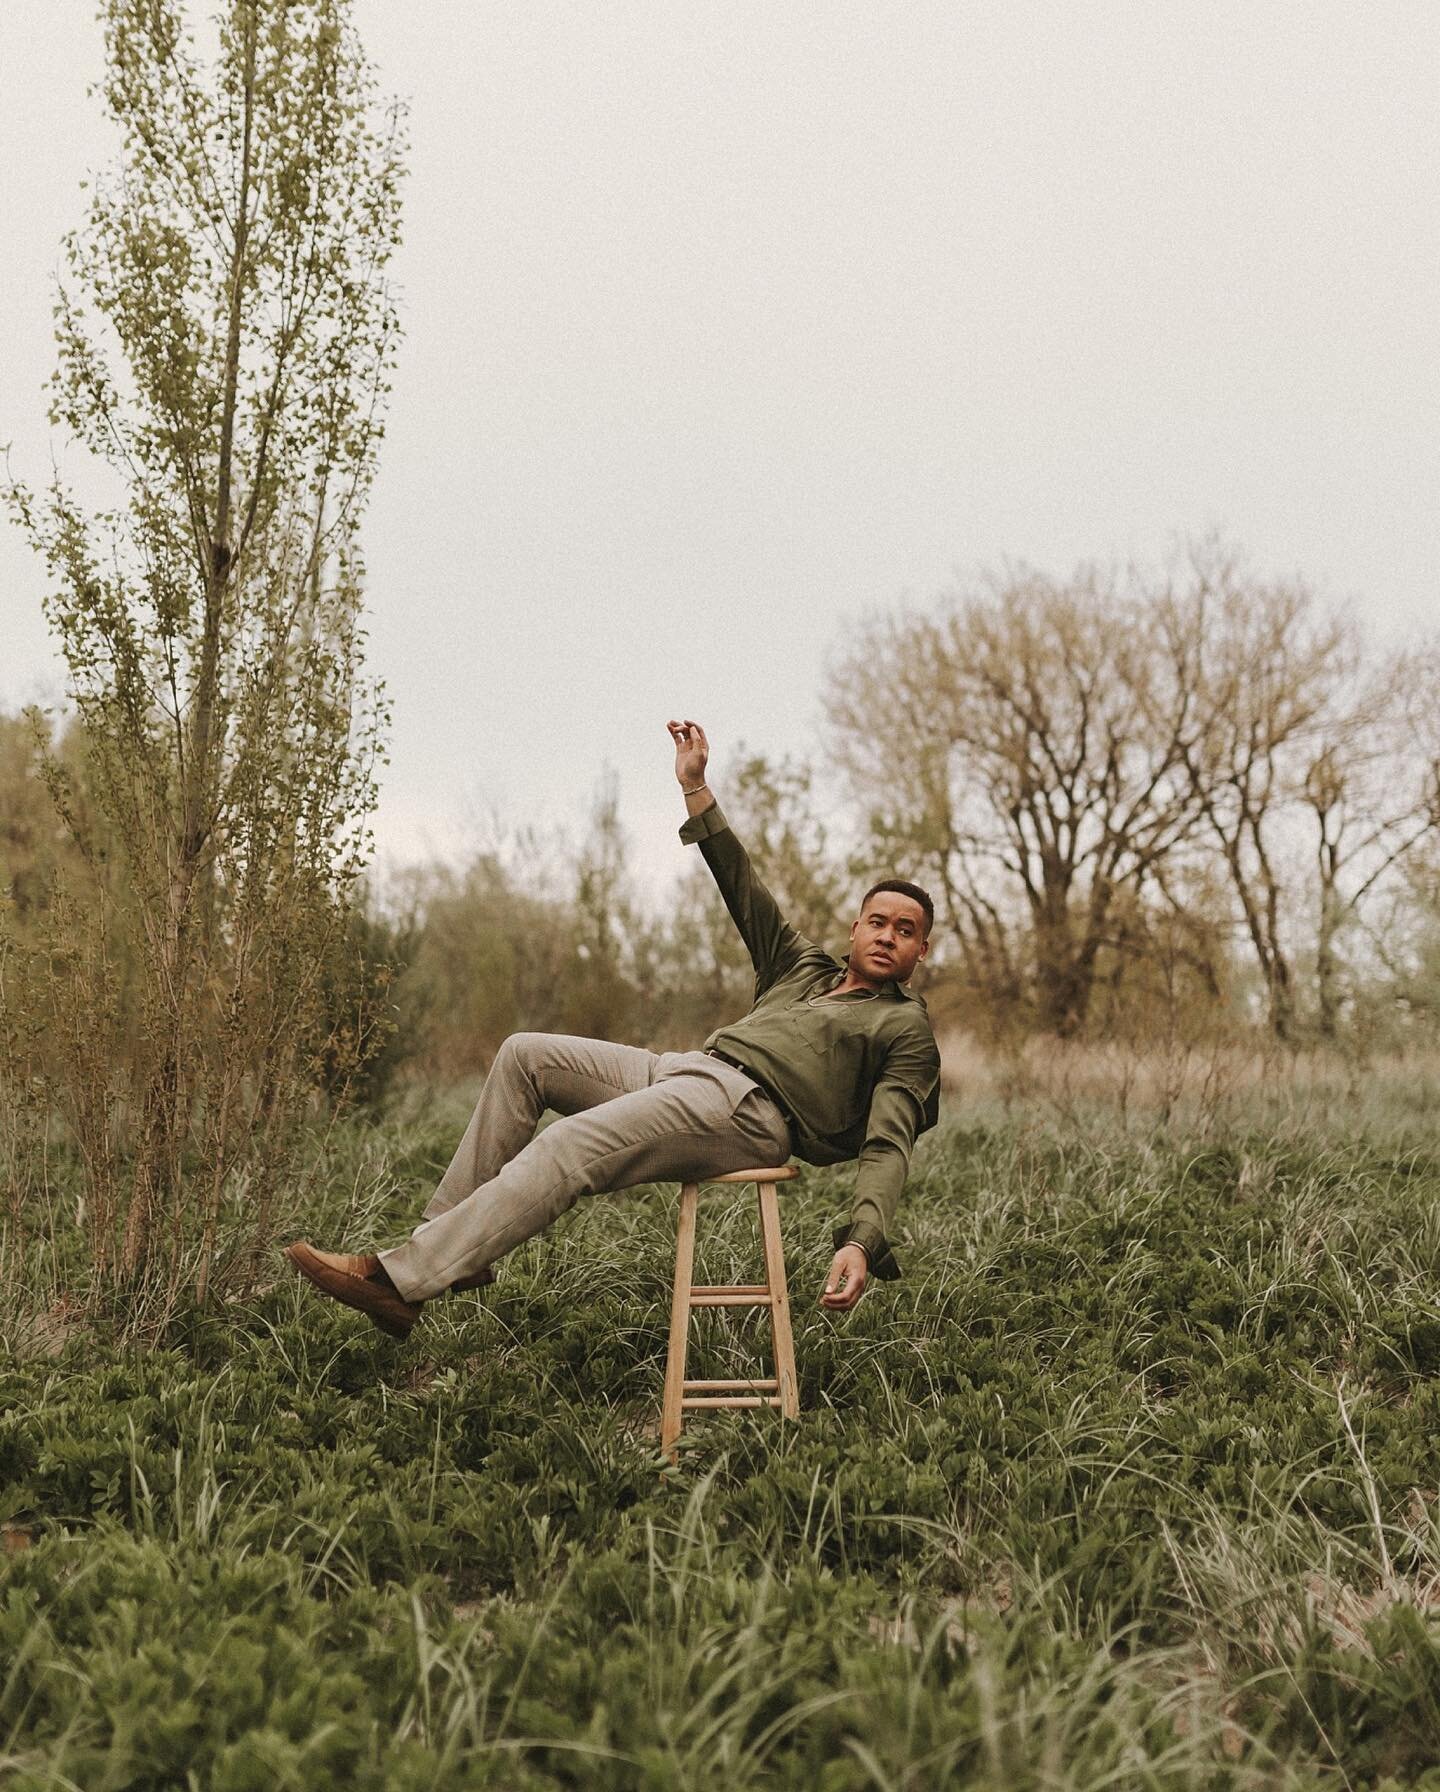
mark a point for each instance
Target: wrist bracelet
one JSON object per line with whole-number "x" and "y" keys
{"x": 695, "y": 792}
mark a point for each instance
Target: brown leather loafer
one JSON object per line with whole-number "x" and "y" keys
{"x": 351, "y": 1279}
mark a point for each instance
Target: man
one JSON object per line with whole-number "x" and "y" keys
{"x": 833, "y": 1061}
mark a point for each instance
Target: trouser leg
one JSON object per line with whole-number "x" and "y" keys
{"x": 532, "y": 1072}
{"x": 694, "y": 1118}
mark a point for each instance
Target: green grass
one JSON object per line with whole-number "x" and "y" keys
{"x": 1131, "y": 1482}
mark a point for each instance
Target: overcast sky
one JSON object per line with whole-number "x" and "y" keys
{"x": 727, "y": 322}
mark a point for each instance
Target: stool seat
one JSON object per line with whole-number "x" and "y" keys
{"x": 782, "y": 1173}
{"x": 779, "y": 1389}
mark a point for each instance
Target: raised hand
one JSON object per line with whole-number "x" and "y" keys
{"x": 692, "y": 751}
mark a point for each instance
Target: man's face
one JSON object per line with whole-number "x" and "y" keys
{"x": 888, "y": 939}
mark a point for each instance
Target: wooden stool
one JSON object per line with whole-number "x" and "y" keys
{"x": 776, "y": 1390}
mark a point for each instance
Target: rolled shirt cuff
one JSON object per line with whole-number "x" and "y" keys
{"x": 702, "y": 826}
{"x": 871, "y": 1240}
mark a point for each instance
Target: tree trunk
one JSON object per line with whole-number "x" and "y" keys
{"x": 1063, "y": 979}
{"x": 1327, "y": 964}
{"x": 167, "y": 1097}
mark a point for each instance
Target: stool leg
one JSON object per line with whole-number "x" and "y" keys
{"x": 780, "y": 1334}
{"x": 672, "y": 1417}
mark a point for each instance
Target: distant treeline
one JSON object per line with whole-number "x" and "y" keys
{"x": 1195, "y": 806}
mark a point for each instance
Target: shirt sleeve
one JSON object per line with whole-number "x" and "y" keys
{"x": 897, "y": 1113}
{"x": 773, "y": 944}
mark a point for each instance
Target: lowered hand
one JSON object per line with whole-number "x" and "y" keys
{"x": 846, "y": 1281}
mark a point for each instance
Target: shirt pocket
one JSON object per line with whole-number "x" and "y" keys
{"x": 834, "y": 1044}
{"x": 834, "y": 1033}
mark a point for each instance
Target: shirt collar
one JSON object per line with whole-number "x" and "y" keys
{"x": 888, "y": 988}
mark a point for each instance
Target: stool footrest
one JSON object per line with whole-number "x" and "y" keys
{"x": 757, "y": 1385}
{"x": 730, "y": 1400}
{"x": 730, "y": 1297}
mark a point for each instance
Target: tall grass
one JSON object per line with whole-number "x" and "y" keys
{"x": 1132, "y": 1481}
{"x": 1188, "y": 1087}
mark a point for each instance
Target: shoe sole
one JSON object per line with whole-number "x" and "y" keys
{"x": 350, "y": 1291}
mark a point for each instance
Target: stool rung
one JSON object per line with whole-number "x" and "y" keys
{"x": 730, "y": 1400}
{"x": 727, "y": 1297}
{"x": 731, "y": 1288}
{"x": 767, "y": 1382}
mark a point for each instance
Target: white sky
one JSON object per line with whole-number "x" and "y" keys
{"x": 729, "y": 321}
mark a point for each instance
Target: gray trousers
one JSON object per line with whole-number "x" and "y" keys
{"x": 628, "y": 1116}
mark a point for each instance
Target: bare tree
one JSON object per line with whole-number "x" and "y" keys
{"x": 1031, "y": 743}
{"x": 1372, "y": 790}
{"x": 1269, "y": 670}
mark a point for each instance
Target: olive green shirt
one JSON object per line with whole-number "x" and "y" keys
{"x": 858, "y": 1074}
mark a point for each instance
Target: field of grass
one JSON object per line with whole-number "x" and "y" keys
{"x": 1133, "y": 1481}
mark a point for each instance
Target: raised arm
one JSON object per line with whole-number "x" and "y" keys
{"x": 773, "y": 944}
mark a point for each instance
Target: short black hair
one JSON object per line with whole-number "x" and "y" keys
{"x": 901, "y": 888}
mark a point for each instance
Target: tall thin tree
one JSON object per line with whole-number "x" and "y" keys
{"x": 227, "y": 334}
